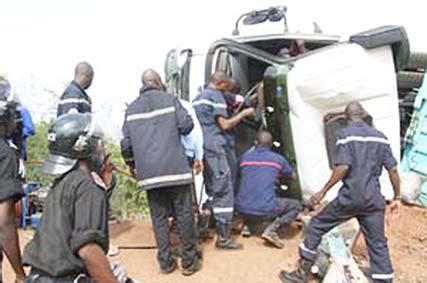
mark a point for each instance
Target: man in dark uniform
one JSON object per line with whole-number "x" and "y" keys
{"x": 71, "y": 242}
{"x": 211, "y": 109}
{"x": 75, "y": 99}
{"x": 232, "y": 101}
{"x": 151, "y": 144}
{"x": 260, "y": 169}
{"x": 10, "y": 190}
{"x": 361, "y": 154}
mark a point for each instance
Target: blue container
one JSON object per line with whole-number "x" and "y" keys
{"x": 35, "y": 220}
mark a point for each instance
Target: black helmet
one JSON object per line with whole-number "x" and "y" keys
{"x": 71, "y": 138}
{"x": 8, "y": 115}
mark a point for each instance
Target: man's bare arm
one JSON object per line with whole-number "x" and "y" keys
{"x": 226, "y": 124}
{"x": 395, "y": 181}
{"x": 338, "y": 174}
{"x": 9, "y": 238}
{"x": 96, "y": 263}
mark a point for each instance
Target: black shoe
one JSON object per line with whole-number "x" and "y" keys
{"x": 273, "y": 239}
{"x": 271, "y": 236}
{"x": 293, "y": 277}
{"x": 170, "y": 268}
{"x": 193, "y": 268}
{"x": 223, "y": 240}
{"x": 228, "y": 244}
{"x": 299, "y": 275}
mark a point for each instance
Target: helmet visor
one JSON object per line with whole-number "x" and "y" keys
{"x": 58, "y": 165}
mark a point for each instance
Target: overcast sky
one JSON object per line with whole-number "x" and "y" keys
{"x": 42, "y": 40}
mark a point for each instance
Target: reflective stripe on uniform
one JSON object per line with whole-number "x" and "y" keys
{"x": 164, "y": 179}
{"x": 362, "y": 139}
{"x": 303, "y": 247}
{"x": 150, "y": 114}
{"x": 73, "y": 100}
{"x": 261, "y": 163}
{"x": 382, "y": 276}
{"x": 223, "y": 209}
{"x": 210, "y": 103}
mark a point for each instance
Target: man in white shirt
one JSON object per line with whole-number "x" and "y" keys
{"x": 193, "y": 142}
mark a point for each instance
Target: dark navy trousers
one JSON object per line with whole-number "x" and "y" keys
{"x": 219, "y": 188}
{"x": 372, "y": 227}
{"x": 233, "y": 164}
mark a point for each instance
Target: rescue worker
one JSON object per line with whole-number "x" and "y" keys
{"x": 260, "y": 169}
{"x": 26, "y": 127}
{"x": 75, "y": 99}
{"x": 71, "y": 242}
{"x": 151, "y": 145}
{"x": 10, "y": 190}
{"x": 233, "y": 100}
{"x": 211, "y": 109}
{"x": 361, "y": 153}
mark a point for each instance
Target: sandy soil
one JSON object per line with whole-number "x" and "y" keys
{"x": 407, "y": 236}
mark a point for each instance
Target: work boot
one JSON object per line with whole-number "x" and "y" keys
{"x": 172, "y": 265}
{"x": 271, "y": 236}
{"x": 193, "y": 268}
{"x": 300, "y": 275}
{"x": 223, "y": 240}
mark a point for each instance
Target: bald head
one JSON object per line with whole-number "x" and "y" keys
{"x": 264, "y": 138}
{"x": 220, "y": 81}
{"x": 83, "y": 74}
{"x": 151, "y": 78}
{"x": 354, "y": 112}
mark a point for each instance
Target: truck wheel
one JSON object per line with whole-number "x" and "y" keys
{"x": 409, "y": 80}
{"x": 417, "y": 61}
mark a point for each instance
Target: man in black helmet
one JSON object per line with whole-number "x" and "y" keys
{"x": 72, "y": 240}
{"x": 10, "y": 190}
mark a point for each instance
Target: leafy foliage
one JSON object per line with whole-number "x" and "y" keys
{"x": 126, "y": 201}
{"x": 37, "y": 152}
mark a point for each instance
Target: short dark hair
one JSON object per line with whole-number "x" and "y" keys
{"x": 264, "y": 138}
{"x": 219, "y": 77}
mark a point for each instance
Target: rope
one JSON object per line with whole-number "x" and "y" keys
{"x": 117, "y": 169}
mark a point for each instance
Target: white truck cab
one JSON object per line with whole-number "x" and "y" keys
{"x": 303, "y": 94}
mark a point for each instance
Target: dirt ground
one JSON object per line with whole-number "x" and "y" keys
{"x": 407, "y": 236}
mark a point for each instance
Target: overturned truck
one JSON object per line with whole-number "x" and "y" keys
{"x": 301, "y": 97}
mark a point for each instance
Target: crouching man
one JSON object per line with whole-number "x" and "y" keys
{"x": 260, "y": 168}
{"x": 72, "y": 241}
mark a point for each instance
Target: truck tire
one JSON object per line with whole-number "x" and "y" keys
{"x": 409, "y": 80}
{"x": 417, "y": 61}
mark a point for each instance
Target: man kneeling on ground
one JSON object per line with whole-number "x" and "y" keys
{"x": 260, "y": 167}
{"x": 72, "y": 241}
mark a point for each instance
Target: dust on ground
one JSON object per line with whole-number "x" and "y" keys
{"x": 256, "y": 263}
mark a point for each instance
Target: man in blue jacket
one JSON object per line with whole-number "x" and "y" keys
{"x": 361, "y": 154}
{"x": 75, "y": 99}
{"x": 25, "y": 124}
{"x": 151, "y": 145}
{"x": 211, "y": 109}
{"x": 260, "y": 169}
